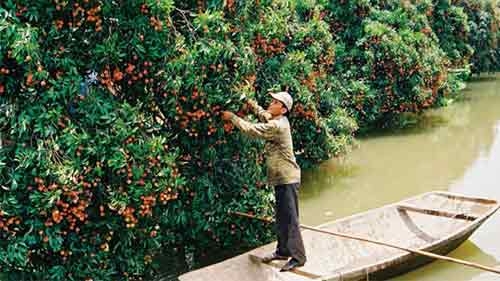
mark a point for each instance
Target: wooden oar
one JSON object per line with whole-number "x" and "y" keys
{"x": 373, "y": 241}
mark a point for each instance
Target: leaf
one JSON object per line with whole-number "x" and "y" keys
{"x": 17, "y": 253}
{"x": 57, "y": 272}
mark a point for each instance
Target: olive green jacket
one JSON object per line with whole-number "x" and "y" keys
{"x": 282, "y": 167}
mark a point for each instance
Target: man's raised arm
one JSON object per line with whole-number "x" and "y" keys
{"x": 260, "y": 112}
{"x": 265, "y": 131}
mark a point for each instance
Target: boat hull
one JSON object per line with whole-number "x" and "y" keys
{"x": 405, "y": 264}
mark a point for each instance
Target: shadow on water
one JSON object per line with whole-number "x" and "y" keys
{"x": 337, "y": 171}
{"x": 484, "y": 78}
{"x": 173, "y": 266}
{"x": 408, "y": 124}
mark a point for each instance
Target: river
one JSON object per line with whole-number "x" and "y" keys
{"x": 456, "y": 148}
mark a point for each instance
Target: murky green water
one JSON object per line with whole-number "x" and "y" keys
{"x": 455, "y": 148}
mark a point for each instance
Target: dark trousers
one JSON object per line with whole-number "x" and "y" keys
{"x": 287, "y": 222}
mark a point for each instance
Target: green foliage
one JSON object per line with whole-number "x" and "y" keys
{"x": 392, "y": 65}
{"x": 484, "y": 36}
{"x": 89, "y": 178}
{"x": 450, "y": 24}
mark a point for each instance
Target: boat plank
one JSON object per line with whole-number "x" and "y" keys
{"x": 417, "y": 230}
{"x": 460, "y": 197}
{"x": 436, "y": 212}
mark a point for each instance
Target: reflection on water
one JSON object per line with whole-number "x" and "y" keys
{"x": 482, "y": 178}
{"x": 446, "y": 271}
{"x": 458, "y": 150}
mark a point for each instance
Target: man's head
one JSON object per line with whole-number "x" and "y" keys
{"x": 281, "y": 104}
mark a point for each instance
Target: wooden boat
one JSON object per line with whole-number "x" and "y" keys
{"x": 436, "y": 222}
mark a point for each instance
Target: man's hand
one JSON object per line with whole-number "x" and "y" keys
{"x": 226, "y": 115}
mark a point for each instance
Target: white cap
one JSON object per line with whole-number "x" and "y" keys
{"x": 285, "y": 98}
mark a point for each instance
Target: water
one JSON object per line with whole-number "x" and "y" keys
{"x": 456, "y": 148}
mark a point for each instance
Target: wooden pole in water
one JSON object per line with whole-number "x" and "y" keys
{"x": 348, "y": 236}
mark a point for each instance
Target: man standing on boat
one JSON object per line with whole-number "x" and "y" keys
{"x": 283, "y": 173}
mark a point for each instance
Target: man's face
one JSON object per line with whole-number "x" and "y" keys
{"x": 276, "y": 108}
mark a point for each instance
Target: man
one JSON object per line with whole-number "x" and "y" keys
{"x": 282, "y": 171}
